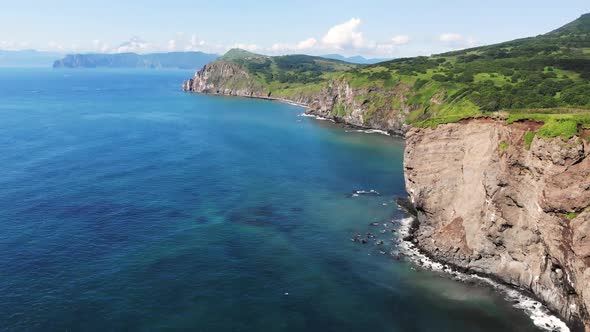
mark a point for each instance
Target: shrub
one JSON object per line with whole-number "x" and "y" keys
{"x": 420, "y": 83}
{"x": 565, "y": 129}
{"x": 503, "y": 146}
{"x": 528, "y": 139}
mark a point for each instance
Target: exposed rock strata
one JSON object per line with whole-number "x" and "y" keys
{"x": 227, "y": 78}
{"x": 488, "y": 204}
{"x": 484, "y": 201}
{"x": 367, "y": 108}
{"x": 359, "y": 107}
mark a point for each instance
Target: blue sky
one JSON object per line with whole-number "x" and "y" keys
{"x": 369, "y": 28}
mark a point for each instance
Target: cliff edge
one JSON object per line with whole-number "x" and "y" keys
{"x": 337, "y": 100}
{"x": 489, "y": 202}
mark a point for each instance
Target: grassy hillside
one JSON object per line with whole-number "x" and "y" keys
{"x": 545, "y": 78}
{"x": 288, "y": 75}
{"x": 287, "y": 69}
{"x": 541, "y": 78}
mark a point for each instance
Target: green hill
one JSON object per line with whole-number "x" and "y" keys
{"x": 546, "y": 74}
{"x": 545, "y": 78}
{"x": 287, "y": 69}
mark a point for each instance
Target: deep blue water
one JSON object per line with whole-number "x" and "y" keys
{"x": 126, "y": 204}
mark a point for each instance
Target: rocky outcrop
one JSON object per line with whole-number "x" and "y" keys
{"x": 488, "y": 204}
{"x": 383, "y": 109}
{"x": 230, "y": 79}
{"x": 486, "y": 201}
{"x": 375, "y": 108}
{"x": 224, "y": 78}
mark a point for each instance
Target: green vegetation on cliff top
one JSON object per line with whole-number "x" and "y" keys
{"x": 544, "y": 78}
{"x": 283, "y": 71}
{"x": 288, "y": 76}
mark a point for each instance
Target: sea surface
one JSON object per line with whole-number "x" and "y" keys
{"x": 128, "y": 205}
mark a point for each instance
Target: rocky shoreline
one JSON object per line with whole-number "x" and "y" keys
{"x": 229, "y": 79}
{"x": 522, "y": 299}
{"x": 485, "y": 202}
{"x": 306, "y": 113}
{"x": 280, "y": 100}
{"x": 397, "y": 239}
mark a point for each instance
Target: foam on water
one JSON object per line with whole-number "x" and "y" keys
{"x": 372, "y": 192}
{"x": 370, "y": 131}
{"x": 317, "y": 117}
{"x": 539, "y": 314}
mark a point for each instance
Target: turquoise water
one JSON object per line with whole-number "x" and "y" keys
{"x": 126, "y": 204}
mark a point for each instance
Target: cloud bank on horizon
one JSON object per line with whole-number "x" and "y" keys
{"x": 346, "y": 38}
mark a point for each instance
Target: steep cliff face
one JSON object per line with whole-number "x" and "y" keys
{"x": 225, "y": 78}
{"x": 488, "y": 203}
{"x": 230, "y": 79}
{"x": 383, "y": 109}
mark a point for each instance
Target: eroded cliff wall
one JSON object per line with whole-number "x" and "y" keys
{"x": 384, "y": 109}
{"x": 489, "y": 203}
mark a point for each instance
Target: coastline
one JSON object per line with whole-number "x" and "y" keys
{"x": 354, "y": 128}
{"x": 281, "y": 100}
{"x": 536, "y": 309}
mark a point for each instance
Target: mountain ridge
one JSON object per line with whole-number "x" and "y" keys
{"x": 534, "y": 77}
{"x": 496, "y": 156}
{"x": 354, "y": 59}
{"x": 27, "y": 58}
{"x": 181, "y": 60}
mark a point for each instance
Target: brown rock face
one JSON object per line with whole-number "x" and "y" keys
{"x": 488, "y": 204}
{"x": 363, "y": 107}
{"x": 224, "y": 78}
{"x": 227, "y": 78}
{"x": 383, "y": 109}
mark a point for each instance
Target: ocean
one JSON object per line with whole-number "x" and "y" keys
{"x": 128, "y": 205}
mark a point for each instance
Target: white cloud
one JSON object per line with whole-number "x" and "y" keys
{"x": 8, "y": 45}
{"x": 136, "y": 45}
{"x": 344, "y": 36}
{"x": 55, "y": 46}
{"x": 455, "y": 40}
{"x": 195, "y": 44}
{"x": 247, "y": 47}
{"x": 400, "y": 40}
{"x": 278, "y": 47}
{"x": 306, "y": 44}
{"x": 99, "y": 46}
{"x": 171, "y": 45}
{"x": 450, "y": 37}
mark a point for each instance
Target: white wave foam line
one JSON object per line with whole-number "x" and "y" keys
{"x": 290, "y": 102}
{"x": 317, "y": 117}
{"x": 370, "y": 131}
{"x": 539, "y": 314}
{"x": 373, "y": 131}
{"x": 372, "y": 191}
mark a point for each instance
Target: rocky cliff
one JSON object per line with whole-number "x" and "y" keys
{"x": 383, "y": 109}
{"x": 230, "y": 79}
{"x": 490, "y": 203}
{"x": 488, "y": 198}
